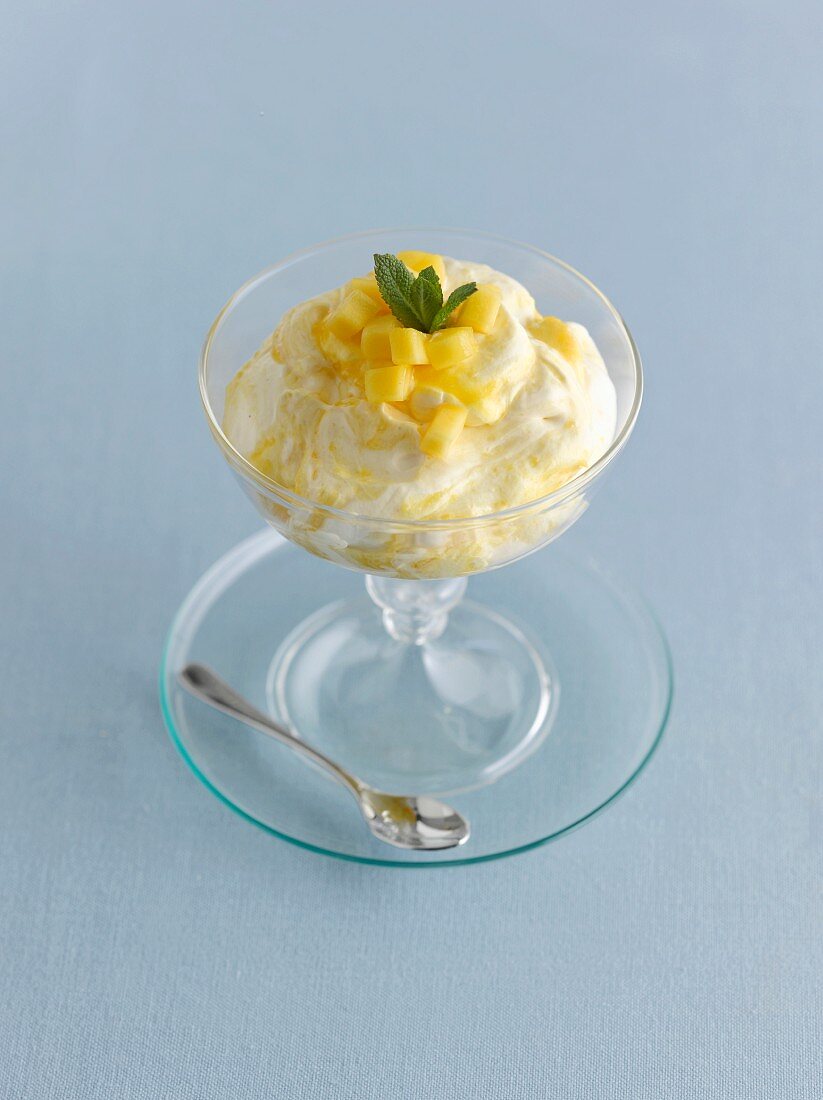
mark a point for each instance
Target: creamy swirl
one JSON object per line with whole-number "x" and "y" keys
{"x": 541, "y": 409}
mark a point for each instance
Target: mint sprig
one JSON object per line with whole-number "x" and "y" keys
{"x": 416, "y": 302}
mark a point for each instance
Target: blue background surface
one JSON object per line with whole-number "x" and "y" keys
{"x": 157, "y": 154}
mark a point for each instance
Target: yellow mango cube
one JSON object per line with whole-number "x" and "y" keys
{"x": 454, "y": 381}
{"x": 557, "y": 334}
{"x": 426, "y": 400}
{"x": 451, "y": 346}
{"x": 439, "y": 438}
{"x": 416, "y": 261}
{"x": 465, "y": 388}
{"x": 340, "y": 352}
{"x": 408, "y": 346}
{"x": 479, "y": 312}
{"x": 389, "y": 382}
{"x": 355, "y": 311}
{"x": 368, "y": 285}
{"x": 426, "y": 376}
{"x": 374, "y": 339}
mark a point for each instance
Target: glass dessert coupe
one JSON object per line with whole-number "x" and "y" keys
{"x": 531, "y": 705}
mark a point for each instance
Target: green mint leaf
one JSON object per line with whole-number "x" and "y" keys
{"x": 455, "y": 299}
{"x": 416, "y": 302}
{"x": 427, "y": 296}
{"x": 395, "y": 282}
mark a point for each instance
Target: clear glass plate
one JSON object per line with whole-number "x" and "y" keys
{"x": 611, "y": 694}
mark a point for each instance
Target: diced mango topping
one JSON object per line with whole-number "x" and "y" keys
{"x": 374, "y": 340}
{"x": 389, "y": 382}
{"x": 368, "y": 285}
{"x": 479, "y": 312}
{"x": 439, "y": 437}
{"x": 336, "y": 350}
{"x": 557, "y": 334}
{"x": 426, "y": 400}
{"x": 451, "y": 346}
{"x": 416, "y": 261}
{"x": 455, "y": 381}
{"x": 417, "y": 377}
{"x": 408, "y": 346}
{"x": 355, "y": 311}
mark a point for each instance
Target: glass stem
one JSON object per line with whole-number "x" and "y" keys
{"x": 415, "y": 611}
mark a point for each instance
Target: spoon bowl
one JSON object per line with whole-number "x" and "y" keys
{"x": 409, "y": 821}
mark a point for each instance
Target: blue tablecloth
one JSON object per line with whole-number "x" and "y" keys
{"x": 157, "y": 154}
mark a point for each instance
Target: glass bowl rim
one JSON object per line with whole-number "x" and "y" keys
{"x": 270, "y": 486}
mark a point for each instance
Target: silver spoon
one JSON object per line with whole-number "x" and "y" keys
{"x": 406, "y": 821}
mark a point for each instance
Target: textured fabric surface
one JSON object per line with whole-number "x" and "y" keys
{"x": 155, "y": 155}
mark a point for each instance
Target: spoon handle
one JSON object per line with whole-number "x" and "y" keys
{"x": 207, "y": 686}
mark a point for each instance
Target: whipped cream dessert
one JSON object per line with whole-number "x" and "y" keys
{"x": 347, "y": 406}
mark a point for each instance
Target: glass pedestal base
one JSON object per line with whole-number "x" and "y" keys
{"x": 529, "y": 763}
{"x": 450, "y": 714}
